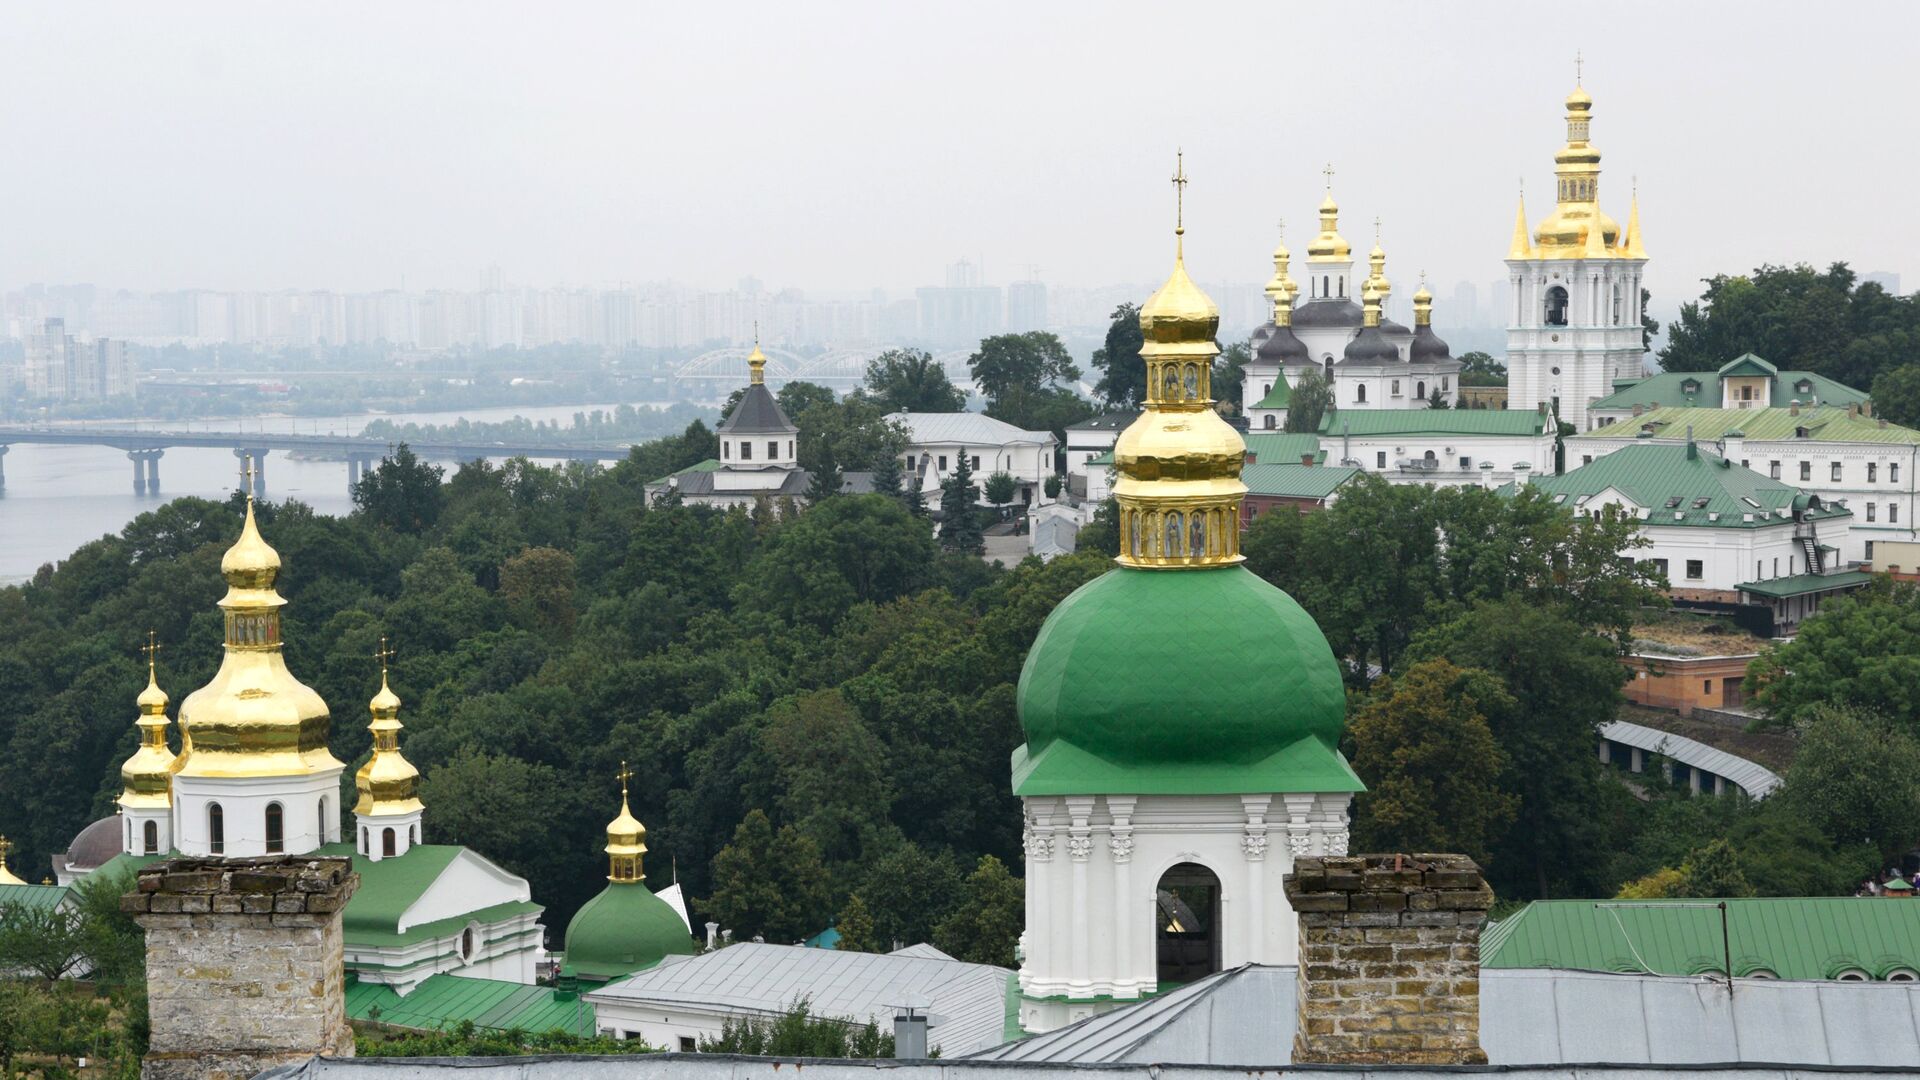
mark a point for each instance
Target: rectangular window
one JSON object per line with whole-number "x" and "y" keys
{"x": 687, "y": 1045}
{"x": 1758, "y": 573}
{"x": 1773, "y": 469}
{"x": 1660, "y": 569}
{"x": 1893, "y": 511}
{"x": 1869, "y": 511}
{"x": 726, "y": 450}
{"x": 1893, "y": 472}
{"x": 1696, "y": 569}
{"x": 1380, "y": 460}
{"x": 1396, "y": 388}
{"x": 1836, "y": 472}
{"x": 1586, "y": 459}
{"x": 1806, "y": 470}
{"x": 943, "y": 463}
{"x": 1873, "y": 470}
{"x": 1706, "y": 686}
{"x": 1465, "y": 463}
{"x": 1776, "y": 566}
{"x": 976, "y": 463}
{"x": 773, "y": 450}
{"x": 1869, "y": 551}
{"x": 746, "y": 451}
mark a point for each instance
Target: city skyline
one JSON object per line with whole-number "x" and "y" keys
{"x": 293, "y": 152}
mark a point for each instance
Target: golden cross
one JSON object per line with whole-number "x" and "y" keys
{"x": 1179, "y": 192}
{"x": 1579, "y": 67}
{"x": 248, "y": 473}
{"x": 1328, "y": 173}
{"x": 383, "y": 654}
{"x": 625, "y": 774}
{"x": 6, "y": 848}
{"x": 1283, "y": 230}
{"x": 150, "y": 648}
{"x": 1376, "y": 230}
{"x": 1423, "y": 279}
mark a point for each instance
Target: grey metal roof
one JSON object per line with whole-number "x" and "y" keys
{"x": 1756, "y": 780}
{"x": 1528, "y": 1017}
{"x": 757, "y": 414}
{"x": 969, "y": 1000}
{"x": 1331, "y": 312}
{"x": 936, "y": 428}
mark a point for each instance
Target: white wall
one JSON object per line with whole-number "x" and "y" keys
{"x": 243, "y": 802}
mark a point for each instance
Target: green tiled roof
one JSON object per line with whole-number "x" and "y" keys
{"x": 708, "y": 465}
{"x": 1802, "y": 584}
{"x": 1795, "y": 938}
{"x": 1275, "y": 447}
{"x": 1710, "y": 492}
{"x": 34, "y": 897}
{"x": 1093, "y": 726}
{"x": 1668, "y": 389}
{"x": 1105, "y": 458}
{"x": 1296, "y": 481}
{"x": 1433, "y": 422}
{"x": 444, "y": 1001}
{"x": 1823, "y": 424}
{"x": 1277, "y": 397}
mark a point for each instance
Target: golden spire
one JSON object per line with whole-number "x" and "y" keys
{"x": 1522, "y": 247}
{"x": 1563, "y": 235}
{"x": 1370, "y": 306}
{"x": 146, "y": 779}
{"x": 1179, "y": 488}
{"x": 756, "y": 360}
{"x": 1329, "y": 246}
{"x": 388, "y": 783}
{"x": 626, "y": 839}
{"x": 6, "y": 876}
{"x": 1377, "y": 262}
{"x": 1423, "y": 303}
{"x": 1280, "y": 288}
{"x": 254, "y": 719}
{"x": 1630, "y": 242}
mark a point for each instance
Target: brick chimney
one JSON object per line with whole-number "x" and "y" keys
{"x": 1306, "y": 459}
{"x": 1389, "y": 959}
{"x": 244, "y": 964}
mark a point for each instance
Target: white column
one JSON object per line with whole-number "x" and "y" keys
{"x": 1253, "y": 845}
{"x": 1125, "y": 916}
{"x": 1079, "y": 848}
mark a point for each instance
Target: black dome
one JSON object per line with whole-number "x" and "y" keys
{"x": 1327, "y": 313}
{"x": 1427, "y": 347}
{"x": 1281, "y": 347}
{"x": 1371, "y": 347}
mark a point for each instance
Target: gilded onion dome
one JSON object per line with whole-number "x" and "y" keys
{"x": 388, "y": 783}
{"x": 6, "y": 875}
{"x": 1576, "y": 213}
{"x": 1329, "y": 246}
{"x": 254, "y": 718}
{"x": 1179, "y": 488}
{"x": 1377, "y": 264}
{"x": 756, "y": 363}
{"x": 626, "y": 840}
{"x": 146, "y": 779}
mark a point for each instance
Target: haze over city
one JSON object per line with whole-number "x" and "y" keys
{"x": 369, "y": 146}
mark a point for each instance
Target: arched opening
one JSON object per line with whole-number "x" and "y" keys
{"x": 366, "y": 844}
{"x": 466, "y": 944}
{"x": 151, "y": 837}
{"x": 1186, "y": 925}
{"x": 1343, "y": 288}
{"x": 1420, "y": 389}
{"x": 216, "y": 829}
{"x": 1431, "y": 460}
{"x": 1272, "y": 422}
{"x": 127, "y": 845}
{"x": 1556, "y": 306}
{"x": 1326, "y": 367}
{"x": 413, "y": 834}
{"x": 386, "y": 842}
{"x": 276, "y": 829}
{"x": 1360, "y": 393}
{"x": 1326, "y": 285}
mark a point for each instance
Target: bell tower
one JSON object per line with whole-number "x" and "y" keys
{"x": 1573, "y": 324}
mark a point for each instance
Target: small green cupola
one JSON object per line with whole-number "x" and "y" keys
{"x": 625, "y": 928}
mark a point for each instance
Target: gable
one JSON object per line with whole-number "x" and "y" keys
{"x": 467, "y": 883}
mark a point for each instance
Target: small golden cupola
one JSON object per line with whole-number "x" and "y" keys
{"x": 1377, "y": 265}
{"x": 756, "y": 361}
{"x": 626, "y": 840}
{"x": 389, "y": 810}
{"x": 146, "y": 778}
{"x": 1179, "y": 488}
{"x": 1576, "y": 212}
{"x": 1422, "y": 304}
{"x": 1329, "y": 246}
{"x": 1279, "y": 287}
{"x": 6, "y": 875}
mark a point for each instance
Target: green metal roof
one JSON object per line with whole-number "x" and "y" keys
{"x": 389, "y": 887}
{"x": 1793, "y": 937}
{"x": 1433, "y": 422}
{"x": 1803, "y": 584}
{"x": 1296, "y": 481}
{"x": 708, "y": 465}
{"x": 1823, "y": 424}
{"x": 1710, "y": 492}
{"x": 1278, "y": 447}
{"x": 444, "y": 1001}
{"x": 1277, "y": 397}
{"x": 1105, "y": 458}
{"x": 1094, "y": 726}
{"x": 33, "y": 897}
{"x": 1668, "y": 389}
{"x": 623, "y": 929}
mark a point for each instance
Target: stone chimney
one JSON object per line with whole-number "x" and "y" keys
{"x": 1638, "y": 408}
{"x": 1306, "y": 459}
{"x": 1389, "y": 959}
{"x": 244, "y": 963}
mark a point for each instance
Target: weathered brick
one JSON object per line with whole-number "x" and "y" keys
{"x": 1320, "y": 901}
{"x": 1378, "y": 901}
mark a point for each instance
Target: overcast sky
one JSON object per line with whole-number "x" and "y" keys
{"x": 848, "y": 146}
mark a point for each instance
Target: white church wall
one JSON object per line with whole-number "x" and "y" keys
{"x": 469, "y": 883}
{"x": 243, "y": 803}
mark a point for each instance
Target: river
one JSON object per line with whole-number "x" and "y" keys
{"x": 59, "y": 497}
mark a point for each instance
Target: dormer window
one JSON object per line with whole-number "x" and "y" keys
{"x": 1690, "y": 386}
{"x": 1804, "y": 386}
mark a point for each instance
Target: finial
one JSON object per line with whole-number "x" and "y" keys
{"x": 248, "y": 473}
{"x": 756, "y": 333}
{"x": 625, "y": 774}
{"x": 1376, "y": 230}
{"x": 1578, "y": 68}
{"x": 1179, "y": 192}
{"x": 1328, "y": 173}
{"x": 383, "y": 654}
{"x": 150, "y": 648}
{"x": 6, "y": 848}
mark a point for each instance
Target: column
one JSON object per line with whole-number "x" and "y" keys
{"x": 1079, "y": 848}
{"x": 1126, "y": 919}
{"x": 1253, "y": 844}
{"x": 153, "y": 470}
{"x": 139, "y": 473}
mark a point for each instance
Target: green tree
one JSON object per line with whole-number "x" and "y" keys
{"x": 1861, "y": 650}
{"x": 832, "y": 769}
{"x": 1649, "y": 326}
{"x": 856, "y": 927}
{"x": 1856, "y": 777}
{"x": 43, "y": 940}
{"x": 1101, "y": 535}
{"x": 1230, "y": 375}
{"x": 1798, "y": 318}
{"x": 1431, "y": 764}
{"x": 911, "y": 891}
{"x": 799, "y": 1033}
{"x": 1123, "y": 374}
{"x": 1022, "y": 376}
{"x": 1713, "y": 872}
{"x": 402, "y": 492}
{"x": 770, "y": 883}
{"x": 538, "y": 586}
{"x": 1309, "y": 401}
{"x": 910, "y": 380}
{"x": 985, "y": 927}
{"x": 959, "y": 528}
{"x": 1896, "y": 395}
{"x": 848, "y": 550}
{"x": 1481, "y": 369}
{"x": 1000, "y": 489}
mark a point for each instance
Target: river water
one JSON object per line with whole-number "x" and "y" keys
{"x": 59, "y": 497}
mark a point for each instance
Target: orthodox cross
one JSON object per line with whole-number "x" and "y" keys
{"x": 1579, "y": 67}
{"x": 150, "y": 648}
{"x": 383, "y": 654}
{"x": 625, "y": 774}
{"x": 1328, "y": 173}
{"x": 1179, "y": 192}
{"x": 1376, "y": 230}
{"x": 1283, "y": 230}
{"x": 248, "y": 473}
{"x": 6, "y": 848}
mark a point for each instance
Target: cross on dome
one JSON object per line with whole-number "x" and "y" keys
{"x": 1179, "y": 192}
{"x": 150, "y": 648}
{"x": 383, "y": 654}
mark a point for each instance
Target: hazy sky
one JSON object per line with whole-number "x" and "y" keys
{"x": 843, "y": 146}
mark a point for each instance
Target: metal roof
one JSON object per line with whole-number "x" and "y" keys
{"x": 970, "y": 428}
{"x": 442, "y": 1002}
{"x": 1668, "y": 388}
{"x": 1803, "y": 584}
{"x": 1804, "y": 938}
{"x": 1364, "y": 422}
{"x": 757, "y": 414}
{"x": 1274, "y": 447}
{"x": 1296, "y": 481}
{"x": 34, "y": 897}
{"x": 1756, "y": 780}
{"x": 1681, "y": 485}
{"x": 1824, "y": 425}
{"x": 764, "y": 980}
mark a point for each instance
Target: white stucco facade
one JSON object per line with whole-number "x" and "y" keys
{"x": 308, "y": 804}
{"x": 1573, "y": 327}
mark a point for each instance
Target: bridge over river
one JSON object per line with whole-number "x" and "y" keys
{"x": 146, "y": 447}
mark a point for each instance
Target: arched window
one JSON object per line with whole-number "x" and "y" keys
{"x": 366, "y": 844}
{"x": 1343, "y": 287}
{"x": 216, "y": 829}
{"x": 276, "y": 829}
{"x": 1135, "y": 546}
{"x": 127, "y": 845}
{"x": 466, "y": 944}
{"x": 1272, "y": 422}
{"x": 1186, "y": 925}
{"x": 1420, "y": 389}
{"x": 324, "y": 828}
{"x": 1326, "y": 285}
{"x": 1430, "y": 459}
{"x": 386, "y": 841}
{"x": 152, "y": 837}
{"x": 1326, "y": 365}
{"x": 1556, "y": 306}
{"x": 1360, "y": 393}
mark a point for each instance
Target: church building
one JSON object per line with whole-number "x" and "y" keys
{"x": 1162, "y": 813}
{"x": 1574, "y": 285}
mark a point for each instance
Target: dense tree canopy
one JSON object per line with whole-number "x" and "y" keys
{"x": 910, "y": 380}
{"x": 1861, "y": 650}
{"x": 1123, "y": 375}
{"x": 1799, "y": 318}
{"x": 1308, "y": 401}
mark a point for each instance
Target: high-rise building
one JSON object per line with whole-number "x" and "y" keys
{"x": 1574, "y": 322}
{"x": 60, "y": 368}
{"x": 1026, "y": 306}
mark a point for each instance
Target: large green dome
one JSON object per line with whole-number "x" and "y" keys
{"x": 622, "y": 930}
{"x": 1180, "y": 682}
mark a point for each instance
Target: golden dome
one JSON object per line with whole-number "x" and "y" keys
{"x": 1329, "y": 246}
{"x": 146, "y": 778}
{"x": 1577, "y": 228}
{"x": 626, "y": 839}
{"x": 254, "y": 718}
{"x": 388, "y": 783}
{"x": 1579, "y": 100}
{"x": 6, "y": 875}
{"x": 1178, "y": 313}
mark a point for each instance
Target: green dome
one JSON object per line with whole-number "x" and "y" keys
{"x": 1180, "y": 682}
{"x": 622, "y": 930}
